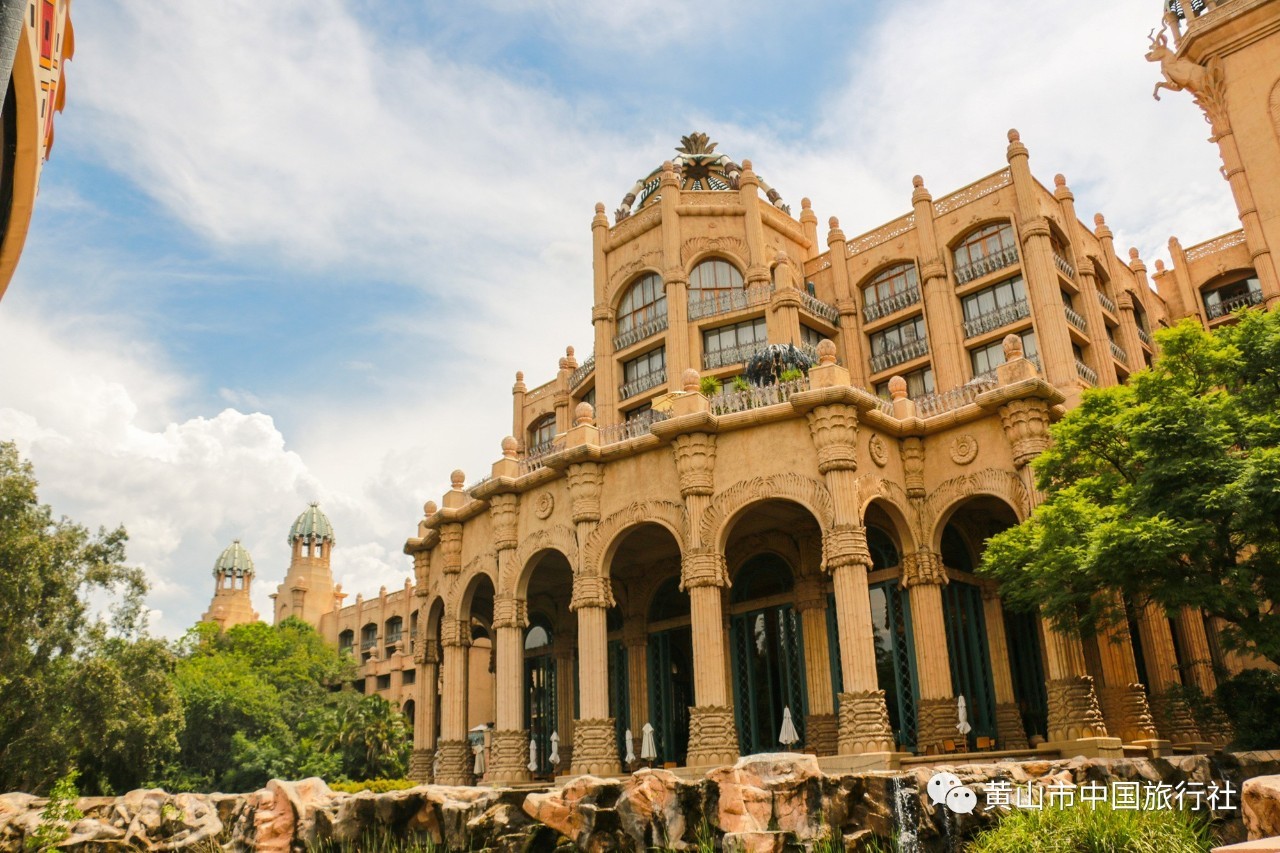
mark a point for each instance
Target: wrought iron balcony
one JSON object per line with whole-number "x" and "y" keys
{"x": 818, "y": 308}
{"x": 873, "y": 311}
{"x": 1075, "y": 319}
{"x": 633, "y": 428}
{"x": 1087, "y": 373}
{"x": 534, "y": 456}
{"x": 724, "y": 301}
{"x": 1118, "y": 353}
{"x": 995, "y": 261}
{"x": 1145, "y": 337}
{"x": 1106, "y": 302}
{"x": 731, "y": 355}
{"x": 642, "y": 383}
{"x": 639, "y": 333}
{"x": 936, "y": 404}
{"x": 991, "y": 320}
{"x": 756, "y": 396}
{"x": 1226, "y": 306}
{"x": 1064, "y": 266}
{"x": 899, "y": 354}
{"x": 582, "y": 372}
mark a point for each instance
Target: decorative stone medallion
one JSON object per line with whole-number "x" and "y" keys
{"x": 964, "y": 449}
{"x": 879, "y": 452}
{"x": 543, "y": 506}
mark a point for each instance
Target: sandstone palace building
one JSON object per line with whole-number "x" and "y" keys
{"x": 666, "y": 548}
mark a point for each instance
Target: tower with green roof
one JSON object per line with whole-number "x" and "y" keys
{"x": 233, "y": 575}
{"x": 307, "y": 591}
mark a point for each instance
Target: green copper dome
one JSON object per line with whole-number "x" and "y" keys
{"x": 234, "y": 561}
{"x": 312, "y": 526}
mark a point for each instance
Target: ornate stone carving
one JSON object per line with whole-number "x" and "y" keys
{"x": 543, "y": 505}
{"x": 807, "y": 492}
{"x": 502, "y": 510}
{"x": 1036, "y": 226}
{"x": 584, "y": 488}
{"x": 510, "y": 612}
{"x": 1009, "y": 730}
{"x": 988, "y": 481}
{"x": 820, "y": 734}
{"x": 650, "y": 260}
{"x": 923, "y": 568}
{"x": 696, "y": 463}
{"x": 454, "y": 761}
{"x": 713, "y": 735}
{"x": 558, "y": 537}
{"x": 1124, "y": 707}
{"x": 591, "y": 591}
{"x": 834, "y": 430}
{"x": 845, "y": 545}
{"x": 913, "y": 466}
{"x": 864, "y": 723}
{"x": 1206, "y": 83}
{"x": 936, "y": 721}
{"x": 964, "y": 449}
{"x": 422, "y": 766}
{"x": 1026, "y": 425}
{"x": 454, "y": 632}
{"x": 1173, "y": 718}
{"x": 703, "y": 567}
{"x": 1073, "y": 709}
{"x": 595, "y": 748}
{"x": 451, "y": 547}
{"x": 509, "y": 756}
{"x": 427, "y": 652}
{"x": 879, "y": 451}
{"x": 696, "y": 246}
{"x": 669, "y": 514}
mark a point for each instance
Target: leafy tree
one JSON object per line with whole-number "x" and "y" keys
{"x": 372, "y": 737}
{"x": 1166, "y": 489}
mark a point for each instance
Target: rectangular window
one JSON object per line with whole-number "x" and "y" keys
{"x": 384, "y": 682}
{"x": 919, "y": 383}
{"x": 811, "y": 337}
{"x": 733, "y": 344}
{"x": 991, "y": 300}
{"x": 638, "y": 413}
{"x": 895, "y": 337}
{"x": 986, "y": 359}
{"x": 409, "y": 676}
{"x": 651, "y": 362}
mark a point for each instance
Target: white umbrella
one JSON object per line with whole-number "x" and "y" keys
{"x": 648, "y": 749}
{"x": 788, "y": 735}
{"x": 631, "y": 747}
{"x": 478, "y": 749}
{"x": 963, "y": 726}
{"x": 554, "y": 757}
{"x": 533, "y": 756}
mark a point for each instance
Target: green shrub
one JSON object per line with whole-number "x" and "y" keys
{"x": 377, "y": 786}
{"x": 1249, "y": 700}
{"x": 58, "y": 816}
{"x": 1086, "y": 829}
{"x": 709, "y": 386}
{"x": 379, "y": 841}
{"x": 740, "y": 383}
{"x": 791, "y": 375}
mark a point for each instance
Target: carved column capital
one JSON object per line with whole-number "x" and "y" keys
{"x": 913, "y": 466}
{"x": 427, "y": 654}
{"x": 1034, "y": 227}
{"x": 455, "y": 632}
{"x": 845, "y": 545}
{"x": 503, "y": 511}
{"x": 703, "y": 568}
{"x": 1026, "y": 426}
{"x": 834, "y": 430}
{"x": 696, "y": 463}
{"x": 591, "y": 591}
{"x": 584, "y": 488}
{"x": 510, "y": 612}
{"x": 923, "y": 568}
{"x": 451, "y": 547}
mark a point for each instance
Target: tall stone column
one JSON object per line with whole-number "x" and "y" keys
{"x": 509, "y": 745}
{"x": 847, "y": 302}
{"x": 1233, "y": 169}
{"x": 1121, "y": 696}
{"x": 1167, "y": 704}
{"x": 1009, "y": 728}
{"x": 1198, "y": 670}
{"x": 820, "y": 726}
{"x": 454, "y": 760}
{"x": 942, "y": 310}
{"x": 562, "y": 651}
{"x": 422, "y": 762}
{"x": 749, "y": 195}
{"x": 923, "y": 576}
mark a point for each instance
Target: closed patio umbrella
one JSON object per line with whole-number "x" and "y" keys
{"x": 554, "y": 757}
{"x": 631, "y": 747}
{"x": 533, "y": 756}
{"x": 963, "y": 713}
{"x": 648, "y": 749}
{"x": 788, "y": 735}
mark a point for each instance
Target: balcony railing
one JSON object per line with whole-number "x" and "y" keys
{"x": 1145, "y": 337}
{"x": 818, "y": 308}
{"x": 1075, "y": 319}
{"x": 995, "y": 261}
{"x": 1087, "y": 373}
{"x": 633, "y": 428}
{"x": 724, "y": 301}
{"x": 935, "y": 404}
{"x": 1106, "y": 302}
{"x": 991, "y": 320}
{"x": 639, "y": 333}
{"x": 873, "y": 311}
{"x": 1118, "y": 353}
{"x": 1064, "y": 266}
{"x": 731, "y": 355}
{"x": 1226, "y": 306}
{"x": 756, "y": 396}
{"x": 899, "y": 354}
{"x": 582, "y": 372}
{"x": 642, "y": 383}
{"x": 533, "y": 459}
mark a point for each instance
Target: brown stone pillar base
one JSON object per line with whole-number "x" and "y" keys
{"x": 1073, "y": 710}
{"x": 1174, "y": 719}
{"x": 1089, "y": 747}
{"x": 1009, "y": 730}
{"x": 1125, "y": 710}
{"x": 508, "y": 757}
{"x": 820, "y": 734}
{"x": 456, "y": 761}
{"x": 864, "y": 723}
{"x": 713, "y": 735}
{"x": 420, "y": 765}
{"x": 595, "y": 748}
{"x": 936, "y": 721}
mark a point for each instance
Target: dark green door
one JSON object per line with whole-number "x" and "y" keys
{"x": 540, "y": 706}
{"x": 970, "y": 658}
{"x": 670, "y": 693}
{"x": 768, "y": 665}
{"x": 1023, "y": 639}
{"x": 619, "y": 693}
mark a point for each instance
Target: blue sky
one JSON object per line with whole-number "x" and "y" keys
{"x": 290, "y": 251}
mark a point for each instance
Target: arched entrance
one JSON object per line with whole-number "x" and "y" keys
{"x": 550, "y": 664}
{"x": 540, "y": 692}
{"x": 670, "y": 671}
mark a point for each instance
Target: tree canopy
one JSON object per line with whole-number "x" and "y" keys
{"x": 1165, "y": 489}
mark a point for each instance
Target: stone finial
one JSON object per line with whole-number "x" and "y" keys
{"x": 1099, "y": 220}
{"x": 667, "y": 166}
{"x": 897, "y": 387}
{"x": 519, "y": 386}
{"x": 1012, "y": 347}
{"x": 509, "y": 447}
{"x": 781, "y": 257}
{"x": 600, "y": 208}
{"x": 746, "y": 165}
{"x": 805, "y": 204}
{"x": 429, "y": 508}
{"x": 917, "y": 182}
{"x": 826, "y": 351}
{"x": 1159, "y": 266}
{"x": 519, "y": 375}
{"x": 457, "y": 478}
{"x": 691, "y": 380}
{"x": 1059, "y": 180}
{"x": 584, "y": 414}
{"x": 1014, "y": 136}
{"x": 833, "y": 223}
{"x": 568, "y": 351}
{"x": 1133, "y": 253}
{"x": 1175, "y": 244}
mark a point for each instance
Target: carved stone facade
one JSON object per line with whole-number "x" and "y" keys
{"x": 864, "y": 723}
{"x": 713, "y": 736}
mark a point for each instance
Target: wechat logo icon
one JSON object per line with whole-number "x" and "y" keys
{"x": 945, "y": 789}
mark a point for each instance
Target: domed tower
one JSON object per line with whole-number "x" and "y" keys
{"x": 307, "y": 591}
{"x": 233, "y": 573}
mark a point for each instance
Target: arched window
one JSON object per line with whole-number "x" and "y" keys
{"x": 884, "y": 554}
{"x": 1237, "y": 290}
{"x": 646, "y": 300}
{"x": 712, "y": 279}
{"x": 891, "y": 290}
{"x": 985, "y": 250}
{"x": 542, "y": 433}
{"x": 669, "y": 602}
{"x": 394, "y": 631}
{"x": 537, "y": 637}
{"x": 762, "y": 576}
{"x": 346, "y": 641}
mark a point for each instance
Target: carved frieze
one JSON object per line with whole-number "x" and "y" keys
{"x": 451, "y": 547}
{"x": 923, "y": 568}
{"x": 1026, "y": 425}
{"x": 591, "y": 591}
{"x": 834, "y": 430}
{"x": 584, "y": 489}
{"x": 502, "y": 510}
{"x": 879, "y": 451}
{"x": 913, "y": 466}
{"x": 964, "y": 449}
{"x": 695, "y": 462}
